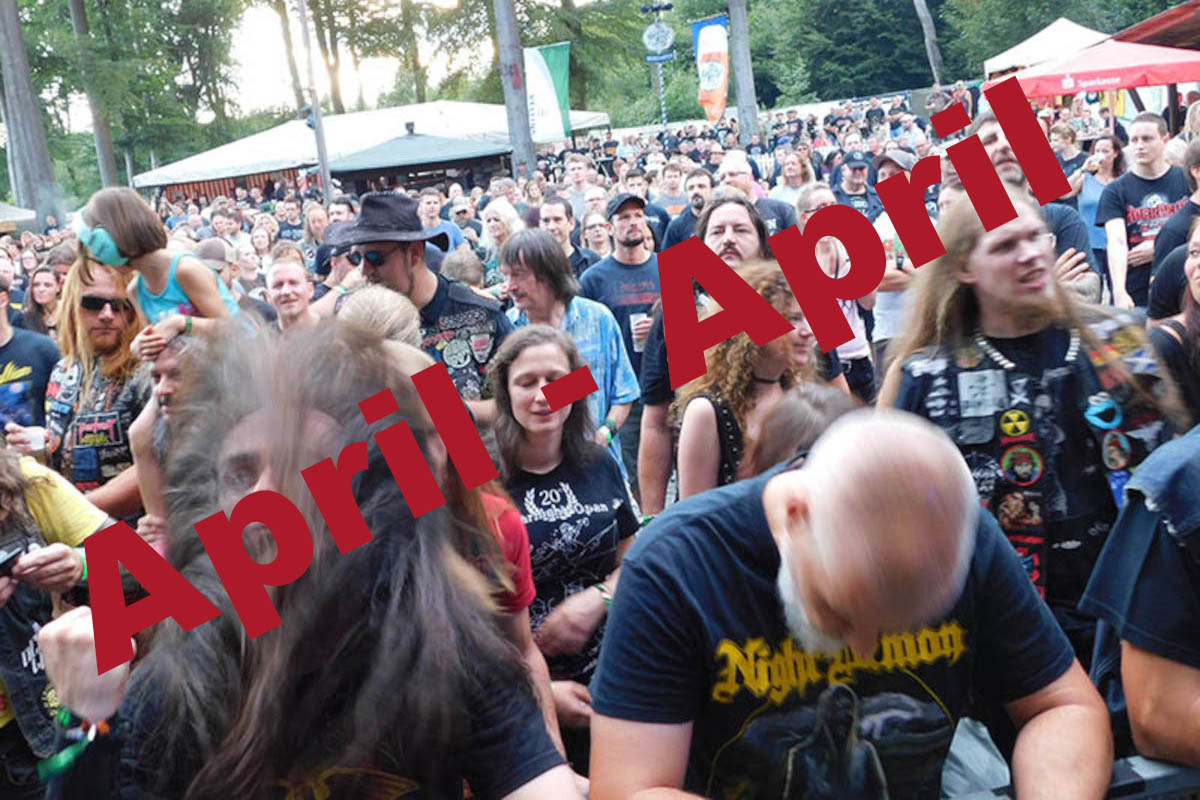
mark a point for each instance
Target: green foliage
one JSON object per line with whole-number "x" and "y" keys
{"x": 979, "y": 29}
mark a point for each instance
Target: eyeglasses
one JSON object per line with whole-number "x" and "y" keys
{"x": 818, "y": 208}
{"x": 94, "y": 303}
{"x": 376, "y": 258}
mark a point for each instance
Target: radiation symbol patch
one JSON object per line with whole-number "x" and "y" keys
{"x": 1014, "y": 422}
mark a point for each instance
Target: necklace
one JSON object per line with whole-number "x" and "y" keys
{"x": 757, "y": 379}
{"x": 987, "y": 347}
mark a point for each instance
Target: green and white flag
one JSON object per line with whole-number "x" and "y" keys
{"x": 546, "y": 72}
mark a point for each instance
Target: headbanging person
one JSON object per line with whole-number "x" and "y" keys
{"x": 174, "y": 292}
{"x": 387, "y": 675}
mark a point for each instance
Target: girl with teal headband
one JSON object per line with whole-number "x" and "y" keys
{"x": 174, "y": 292}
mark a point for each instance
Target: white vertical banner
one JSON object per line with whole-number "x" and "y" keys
{"x": 546, "y": 73}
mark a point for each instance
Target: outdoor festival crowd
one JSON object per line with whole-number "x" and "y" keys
{"x": 960, "y": 551}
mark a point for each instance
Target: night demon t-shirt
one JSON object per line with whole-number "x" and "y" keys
{"x": 697, "y": 634}
{"x": 1145, "y": 205}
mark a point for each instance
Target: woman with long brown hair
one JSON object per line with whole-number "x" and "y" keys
{"x": 576, "y": 508}
{"x": 721, "y": 410}
{"x": 40, "y": 313}
{"x": 1177, "y": 338}
{"x": 386, "y": 676}
{"x": 1053, "y": 403}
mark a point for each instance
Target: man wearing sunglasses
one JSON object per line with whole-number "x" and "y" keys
{"x": 458, "y": 327}
{"x": 95, "y": 393}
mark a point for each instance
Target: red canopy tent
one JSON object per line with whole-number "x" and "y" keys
{"x": 1110, "y": 65}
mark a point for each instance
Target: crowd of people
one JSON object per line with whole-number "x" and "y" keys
{"x": 959, "y": 551}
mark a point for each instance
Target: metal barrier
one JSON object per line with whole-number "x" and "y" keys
{"x": 1135, "y": 778}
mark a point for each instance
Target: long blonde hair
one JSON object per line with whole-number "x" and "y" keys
{"x": 73, "y": 339}
{"x": 945, "y": 312}
{"x": 730, "y": 364}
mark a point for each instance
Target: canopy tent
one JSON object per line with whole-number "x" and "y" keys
{"x": 1175, "y": 27}
{"x": 1056, "y": 39}
{"x": 292, "y": 144}
{"x": 12, "y": 216}
{"x": 415, "y": 149}
{"x": 1110, "y": 65}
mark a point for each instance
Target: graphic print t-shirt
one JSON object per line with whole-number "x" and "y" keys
{"x": 696, "y": 633}
{"x": 25, "y": 366}
{"x": 576, "y": 515}
{"x": 463, "y": 331}
{"x": 626, "y": 290}
{"x": 1144, "y": 205}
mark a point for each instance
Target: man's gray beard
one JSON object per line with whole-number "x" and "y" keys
{"x": 160, "y": 440}
{"x": 802, "y": 630}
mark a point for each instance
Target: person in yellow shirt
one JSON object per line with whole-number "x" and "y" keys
{"x": 45, "y": 519}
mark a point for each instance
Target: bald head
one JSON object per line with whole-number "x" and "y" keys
{"x": 876, "y": 530}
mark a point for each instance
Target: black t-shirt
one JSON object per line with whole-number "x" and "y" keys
{"x": 25, "y": 366}
{"x": 1146, "y": 586}
{"x": 776, "y": 214}
{"x": 866, "y": 203}
{"x": 697, "y": 634}
{"x": 1144, "y": 205}
{"x": 1070, "y": 231}
{"x": 1168, "y": 285}
{"x": 682, "y": 227}
{"x": 655, "y": 381}
{"x": 1180, "y": 357}
{"x": 1069, "y": 166}
{"x": 291, "y": 231}
{"x": 507, "y": 746}
{"x": 1174, "y": 231}
{"x": 576, "y": 515}
{"x": 463, "y": 331}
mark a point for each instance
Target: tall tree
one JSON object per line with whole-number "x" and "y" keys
{"x": 408, "y": 33}
{"x": 512, "y": 76}
{"x": 289, "y": 50}
{"x": 326, "y": 29}
{"x": 931, "y": 43}
{"x": 743, "y": 71}
{"x": 105, "y": 158}
{"x": 35, "y": 187}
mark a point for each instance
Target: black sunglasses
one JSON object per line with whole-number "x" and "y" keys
{"x": 90, "y": 302}
{"x": 375, "y": 258}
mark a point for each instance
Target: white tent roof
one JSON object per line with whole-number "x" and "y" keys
{"x": 292, "y": 144}
{"x": 1060, "y": 38}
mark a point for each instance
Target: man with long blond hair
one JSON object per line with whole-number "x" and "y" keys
{"x": 1052, "y": 403}
{"x": 95, "y": 392}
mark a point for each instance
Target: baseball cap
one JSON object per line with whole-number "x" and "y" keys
{"x": 216, "y": 253}
{"x": 460, "y": 202}
{"x": 614, "y": 205}
{"x": 901, "y": 158}
{"x": 856, "y": 158}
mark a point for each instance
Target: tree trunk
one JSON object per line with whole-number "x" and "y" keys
{"x": 352, "y": 46}
{"x": 335, "y": 84}
{"x": 25, "y": 127}
{"x": 335, "y": 56}
{"x": 512, "y": 78}
{"x": 16, "y": 177}
{"x": 931, "y": 43}
{"x": 293, "y": 70}
{"x": 408, "y": 33}
{"x": 743, "y": 71}
{"x": 87, "y": 69}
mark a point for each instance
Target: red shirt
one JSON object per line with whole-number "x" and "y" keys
{"x": 514, "y": 543}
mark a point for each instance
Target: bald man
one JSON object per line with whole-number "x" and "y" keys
{"x": 821, "y": 629}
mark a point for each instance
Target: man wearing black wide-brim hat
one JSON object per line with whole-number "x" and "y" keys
{"x": 458, "y": 327}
